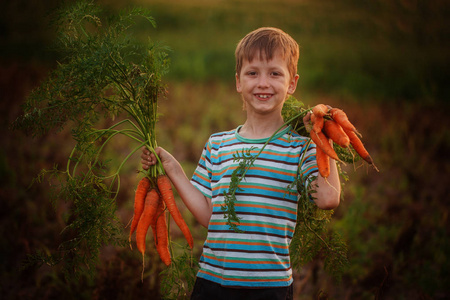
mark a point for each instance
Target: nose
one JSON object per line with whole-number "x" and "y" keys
{"x": 263, "y": 81}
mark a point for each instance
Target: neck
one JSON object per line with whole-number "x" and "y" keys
{"x": 258, "y": 128}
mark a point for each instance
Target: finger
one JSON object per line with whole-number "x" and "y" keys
{"x": 307, "y": 117}
{"x": 307, "y": 121}
{"x": 158, "y": 151}
{"x": 145, "y": 154}
{"x": 145, "y": 164}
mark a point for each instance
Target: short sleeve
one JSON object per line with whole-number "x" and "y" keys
{"x": 201, "y": 178}
{"x": 308, "y": 164}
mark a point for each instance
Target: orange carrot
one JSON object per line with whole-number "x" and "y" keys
{"x": 322, "y": 141}
{"x": 335, "y": 132}
{"x": 139, "y": 200}
{"x": 359, "y": 148}
{"x": 320, "y": 110}
{"x": 150, "y": 208}
{"x": 161, "y": 235}
{"x": 165, "y": 188}
{"x": 341, "y": 118}
{"x": 155, "y": 219}
{"x": 317, "y": 123}
{"x": 323, "y": 162}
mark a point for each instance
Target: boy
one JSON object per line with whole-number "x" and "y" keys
{"x": 253, "y": 264}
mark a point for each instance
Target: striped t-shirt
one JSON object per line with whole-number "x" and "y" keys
{"x": 265, "y": 204}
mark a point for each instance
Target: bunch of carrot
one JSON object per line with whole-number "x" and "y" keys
{"x": 152, "y": 199}
{"x": 333, "y": 123}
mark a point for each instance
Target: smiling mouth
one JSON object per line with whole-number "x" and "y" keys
{"x": 260, "y": 96}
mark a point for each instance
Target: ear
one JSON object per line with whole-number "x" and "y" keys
{"x": 293, "y": 84}
{"x": 238, "y": 84}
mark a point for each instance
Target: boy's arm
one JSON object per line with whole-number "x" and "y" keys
{"x": 328, "y": 191}
{"x": 197, "y": 203}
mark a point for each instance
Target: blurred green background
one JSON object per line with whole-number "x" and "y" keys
{"x": 385, "y": 62}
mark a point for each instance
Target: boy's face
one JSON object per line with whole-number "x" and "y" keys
{"x": 265, "y": 85}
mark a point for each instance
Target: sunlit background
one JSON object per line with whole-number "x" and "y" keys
{"x": 385, "y": 62}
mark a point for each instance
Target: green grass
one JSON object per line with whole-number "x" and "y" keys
{"x": 375, "y": 49}
{"x": 370, "y": 50}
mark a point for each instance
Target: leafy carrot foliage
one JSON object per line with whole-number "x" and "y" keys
{"x": 313, "y": 238}
{"x": 178, "y": 280}
{"x": 246, "y": 160}
{"x": 103, "y": 74}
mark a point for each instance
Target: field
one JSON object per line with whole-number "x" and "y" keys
{"x": 386, "y": 63}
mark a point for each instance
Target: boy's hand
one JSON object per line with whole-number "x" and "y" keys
{"x": 307, "y": 122}
{"x": 147, "y": 158}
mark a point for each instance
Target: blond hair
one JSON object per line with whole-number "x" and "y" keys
{"x": 265, "y": 42}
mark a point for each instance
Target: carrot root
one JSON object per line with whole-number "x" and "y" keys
{"x": 323, "y": 162}
{"x": 318, "y": 124}
{"x": 165, "y": 188}
{"x": 359, "y": 148}
{"x": 320, "y": 110}
{"x": 139, "y": 202}
{"x": 151, "y": 206}
{"x": 335, "y": 132}
{"x": 341, "y": 118}
{"x": 322, "y": 141}
{"x": 162, "y": 236}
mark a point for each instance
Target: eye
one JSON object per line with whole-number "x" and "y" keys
{"x": 251, "y": 73}
{"x": 276, "y": 73}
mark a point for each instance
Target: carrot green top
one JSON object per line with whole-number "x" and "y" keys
{"x": 266, "y": 206}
